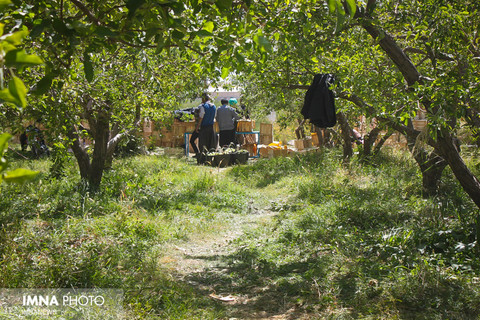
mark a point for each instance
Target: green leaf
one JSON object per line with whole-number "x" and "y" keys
{"x": 6, "y": 96}
{"x": 15, "y": 38}
{"x": 178, "y": 35}
{"x": 208, "y": 26}
{"x": 224, "y": 5}
{"x": 204, "y": 34}
{"x": 225, "y": 72}
{"x": 20, "y": 59}
{"x": 4, "y": 4}
{"x": 352, "y": 7}
{"x": 331, "y": 5}
{"x": 239, "y": 57}
{"x": 4, "y": 137}
{"x": 18, "y": 90}
{"x": 88, "y": 67}
{"x": 105, "y": 32}
{"x": 340, "y": 16}
{"x": 133, "y": 5}
{"x": 19, "y": 175}
{"x": 263, "y": 43}
{"x": 43, "y": 85}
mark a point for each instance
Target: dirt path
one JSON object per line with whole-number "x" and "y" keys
{"x": 202, "y": 263}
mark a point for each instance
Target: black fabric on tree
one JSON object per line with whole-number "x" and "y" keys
{"x": 319, "y": 104}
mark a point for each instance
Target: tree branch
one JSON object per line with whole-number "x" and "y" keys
{"x": 87, "y": 12}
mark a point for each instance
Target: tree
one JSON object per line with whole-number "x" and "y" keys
{"x": 434, "y": 67}
{"x": 94, "y": 36}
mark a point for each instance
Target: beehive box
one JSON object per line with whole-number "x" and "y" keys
{"x": 252, "y": 149}
{"x": 245, "y": 125}
{"x": 190, "y": 126}
{"x": 266, "y": 129}
{"x": 419, "y": 125}
{"x": 299, "y": 144}
{"x": 266, "y": 139}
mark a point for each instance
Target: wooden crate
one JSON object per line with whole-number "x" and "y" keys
{"x": 307, "y": 143}
{"x": 266, "y": 139}
{"x": 266, "y": 129}
{"x": 179, "y": 129}
{"x": 280, "y": 152}
{"x": 190, "y": 126}
{"x": 263, "y": 152}
{"x": 245, "y": 125}
{"x": 419, "y": 125}
{"x": 299, "y": 144}
{"x": 179, "y": 141}
{"x": 252, "y": 149}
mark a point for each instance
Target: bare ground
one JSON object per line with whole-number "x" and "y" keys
{"x": 202, "y": 263}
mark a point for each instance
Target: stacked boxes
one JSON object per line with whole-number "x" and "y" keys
{"x": 266, "y": 133}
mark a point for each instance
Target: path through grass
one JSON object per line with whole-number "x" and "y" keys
{"x": 286, "y": 238}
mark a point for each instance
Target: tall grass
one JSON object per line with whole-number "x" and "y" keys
{"x": 347, "y": 241}
{"x": 58, "y": 234}
{"x": 359, "y": 241}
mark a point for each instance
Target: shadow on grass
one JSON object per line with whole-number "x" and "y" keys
{"x": 259, "y": 289}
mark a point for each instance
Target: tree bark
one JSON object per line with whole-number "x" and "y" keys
{"x": 80, "y": 154}
{"x": 444, "y": 143}
{"x": 382, "y": 141}
{"x": 116, "y": 136}
{"x": 100, "y": 148}
{"x": 431, "y": 165}
{"x": 369, "y": 140}
{"x": 448, "y": 150}
{"x": 345, "y": 132}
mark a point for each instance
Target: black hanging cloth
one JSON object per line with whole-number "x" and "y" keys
{"x": 319, "y": 105}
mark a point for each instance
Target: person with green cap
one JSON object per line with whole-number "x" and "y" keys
{"x": 226, "y": 118}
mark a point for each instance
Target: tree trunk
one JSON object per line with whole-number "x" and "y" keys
{"x": 444, "y": 144}
{"x": 382, "y": 141}
{"x": 100, "y": 148}
{"x": 369, "y": 141}
{"x": 116, "y": 137}
{"x": 345, "y": 132}
{"x": 431, "y": 165}
{"x": 448, "y": 150}
{"x": 80, "y": 154}
{"x": 319, "y": 132}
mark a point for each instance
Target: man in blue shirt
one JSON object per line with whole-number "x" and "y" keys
{"x": 226, "y": 117}
{"x": 204, "y": 127}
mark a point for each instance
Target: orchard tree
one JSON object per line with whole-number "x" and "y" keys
{"x": 87, "y": 78}
{"x": 420, "y": 52}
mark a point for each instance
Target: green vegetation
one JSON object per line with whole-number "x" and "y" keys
{"x": 347, "y": 241}
{"x": 361, "y": 242}
{"x": 58, "y": 234}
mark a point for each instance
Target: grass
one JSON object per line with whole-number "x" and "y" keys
{"x": 359, "y": 241}
{"x": 58, "y": 234}
{"x": 349, "y": 241}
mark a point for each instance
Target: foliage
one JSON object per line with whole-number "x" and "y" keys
{"x": 18, "y": 175}
{"x": 359, "y": 241}
{"x": 58, "y": 234}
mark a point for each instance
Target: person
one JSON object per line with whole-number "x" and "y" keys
{"x": 226, "y": 117}
{"x": 194, "y": 135}
{"x": 233, "y": 103}
{"x": 239, "y": 139}
{"x": 204, "y": 126}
